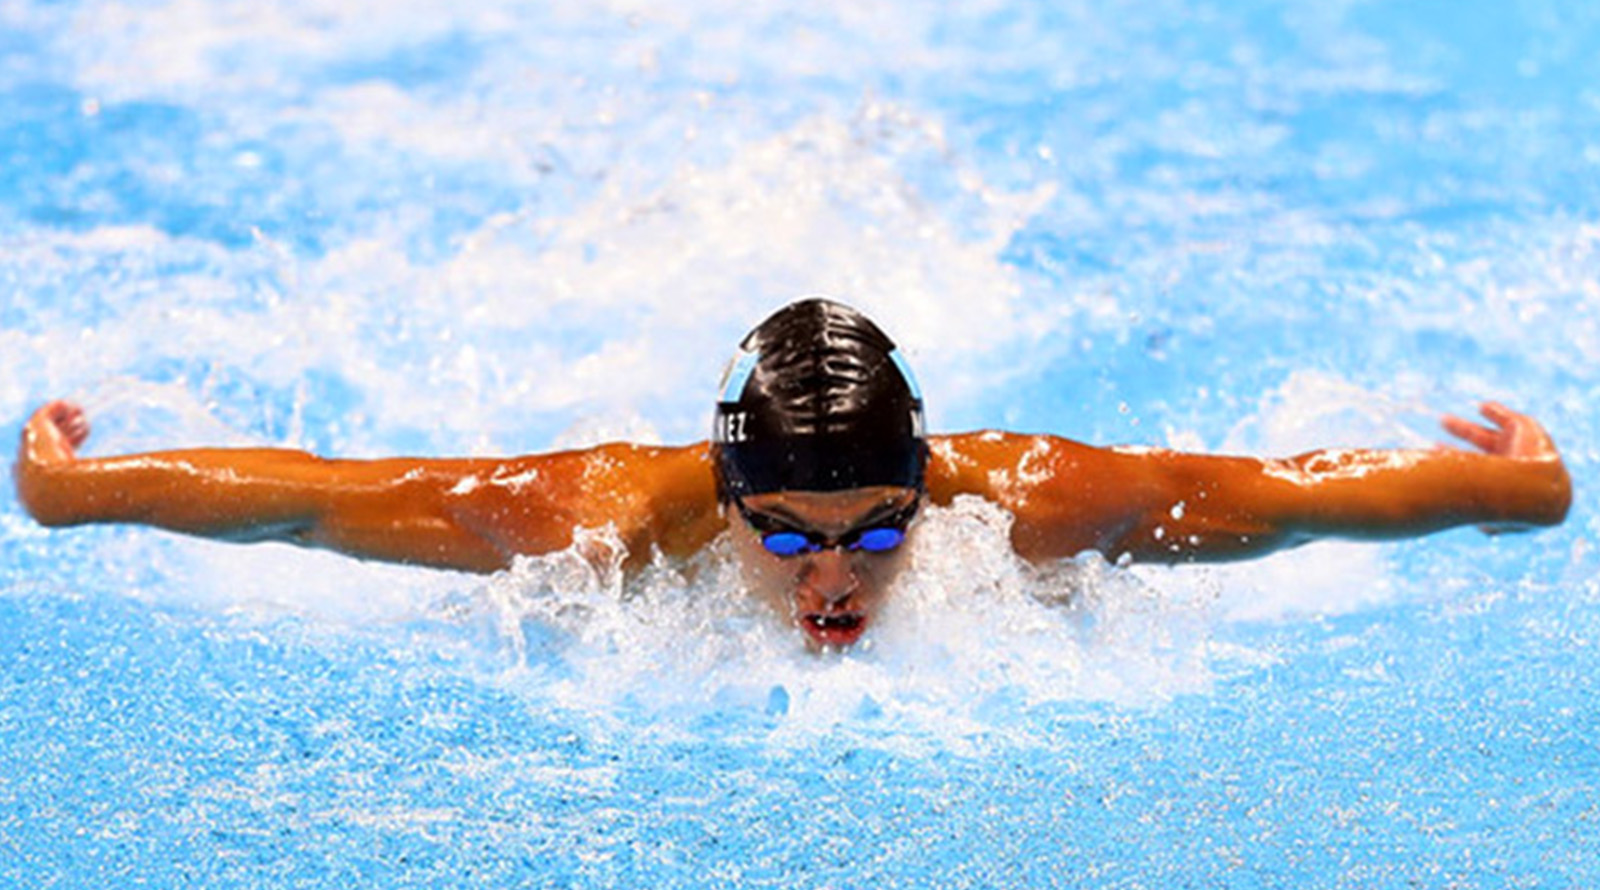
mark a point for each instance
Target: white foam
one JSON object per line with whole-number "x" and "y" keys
{"x": 971, "y": 633}
{"x": 664, "y": 283}
{"x": 147, "y": 50}
{"x": 1314, "y": 410}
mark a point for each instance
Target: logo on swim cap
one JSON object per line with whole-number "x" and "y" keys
{"x": 810, "y": 403}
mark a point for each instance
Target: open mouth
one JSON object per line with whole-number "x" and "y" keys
{"x": 834, "y": 628}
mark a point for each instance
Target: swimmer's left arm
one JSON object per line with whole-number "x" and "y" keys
{"x": 1228, "y": 508}
{"x": 1163, "y": 506}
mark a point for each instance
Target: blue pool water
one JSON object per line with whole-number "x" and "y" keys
{"x": 448, "y": 228}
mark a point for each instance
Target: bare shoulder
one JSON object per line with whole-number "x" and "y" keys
{"x": 1065, "y": 496}
{"x": 653, "y": 497}
{"x": 1005, "y": 465}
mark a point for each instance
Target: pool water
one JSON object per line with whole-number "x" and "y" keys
{"x": 490, "y": 228}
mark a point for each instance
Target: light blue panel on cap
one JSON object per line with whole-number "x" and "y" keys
{"x": 737, "y": 375}
{"x": 905, "y": 371}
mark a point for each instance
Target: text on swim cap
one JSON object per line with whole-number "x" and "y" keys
{"x": 733, "y": 427}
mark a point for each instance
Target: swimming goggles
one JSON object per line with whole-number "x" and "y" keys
{"x": 783, "y": 539}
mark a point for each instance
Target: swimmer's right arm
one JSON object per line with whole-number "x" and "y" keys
{"x": 470, "y": 514}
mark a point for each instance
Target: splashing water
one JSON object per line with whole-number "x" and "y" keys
{"x": 970, "y": 628}
{"x": 497, "y": 228}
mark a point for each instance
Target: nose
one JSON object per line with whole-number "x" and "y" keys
{"x": 831, "y": 576}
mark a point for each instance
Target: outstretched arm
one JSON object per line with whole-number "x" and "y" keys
{"x": 1164, "y": 506}
{"x": 473, "y": 514}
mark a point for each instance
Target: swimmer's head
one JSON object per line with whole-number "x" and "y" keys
{"x": 818, "y": 399}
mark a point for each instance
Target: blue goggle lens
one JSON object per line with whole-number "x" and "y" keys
{"x": 878, "y": 540}
{"x": 786, "y": 543}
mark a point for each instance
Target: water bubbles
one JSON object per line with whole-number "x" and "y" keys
{"x": 971, "y": 637}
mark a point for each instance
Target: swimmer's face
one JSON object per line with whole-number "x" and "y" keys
{"x": 824, "y": 559}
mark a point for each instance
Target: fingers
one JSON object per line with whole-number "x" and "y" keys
{"x": 1500, "y": 415}
{"x": 54, "y": 432}
{"x": 1477, "y": 435}
{"x": 1513, "y": 435}
{"x": 1524, "y": 437}
{"x": 70, "y": 419}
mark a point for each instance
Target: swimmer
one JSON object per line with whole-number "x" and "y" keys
{"x": 818, "y": 468}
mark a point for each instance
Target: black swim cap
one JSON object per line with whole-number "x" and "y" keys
{"x": 818, "y": 399}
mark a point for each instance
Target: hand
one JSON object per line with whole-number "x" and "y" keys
{"x": 50, "y": 443}
{"x": 1514, "y": 435}
{"x": 54, "y": 433}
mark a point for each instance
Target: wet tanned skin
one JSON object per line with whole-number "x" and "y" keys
{"x": 1149, "y": 505}
{"x": 1155, "y": 505}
